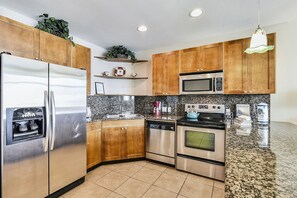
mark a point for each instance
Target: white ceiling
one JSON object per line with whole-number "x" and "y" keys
{"x": 112, "y": 22}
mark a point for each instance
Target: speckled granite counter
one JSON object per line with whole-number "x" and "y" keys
{"x": 263, "y": 163}
{"x": 172, "y": 118}
{"x": 96, "y": 118}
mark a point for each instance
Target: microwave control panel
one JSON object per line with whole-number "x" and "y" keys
{"x": 219, "y": 84}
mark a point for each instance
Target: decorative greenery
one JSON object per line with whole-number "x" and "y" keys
{"x": 121, "y": 52}
{"x": 54, "y": 26}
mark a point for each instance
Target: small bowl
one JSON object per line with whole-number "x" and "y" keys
{"x": 134, "y": 74}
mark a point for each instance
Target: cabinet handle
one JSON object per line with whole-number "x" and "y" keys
{"x": 245, "y": 91}
{"x": 36, "y": 58}
{"x": 250, "y": 91}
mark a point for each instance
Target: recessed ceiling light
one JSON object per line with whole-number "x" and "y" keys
{"x": 196, "y": 12}
{"x": 142, "y": 28}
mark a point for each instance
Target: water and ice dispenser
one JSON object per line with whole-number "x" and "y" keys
{"x": 25, "y": 124}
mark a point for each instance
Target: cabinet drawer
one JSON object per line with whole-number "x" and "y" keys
{"x": 94, "y": 126}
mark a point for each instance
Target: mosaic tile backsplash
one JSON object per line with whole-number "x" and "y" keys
{"x": 144, "y": 104}
{"x": 110, "y": 104}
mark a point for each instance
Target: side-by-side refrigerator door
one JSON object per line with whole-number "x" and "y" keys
{"x": 68, "y": 134}
{"x": 24, "y": 127}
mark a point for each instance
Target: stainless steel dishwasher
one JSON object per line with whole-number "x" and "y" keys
{"x": 160, "y": 141}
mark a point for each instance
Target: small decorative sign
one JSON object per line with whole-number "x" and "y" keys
{"x": 99, "y": 88}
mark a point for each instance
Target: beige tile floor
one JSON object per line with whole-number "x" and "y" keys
{"x": 145, "y": 179}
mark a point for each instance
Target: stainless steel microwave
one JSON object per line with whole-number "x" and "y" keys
{"x": 206, "y": 83}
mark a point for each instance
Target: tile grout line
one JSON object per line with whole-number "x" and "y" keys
{"x": 182, "y": 185}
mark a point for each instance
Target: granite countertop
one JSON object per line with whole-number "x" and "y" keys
{"x": 172, "y": 118}
{"x": 262, "y": 163}
{"x": 101, "y": 117}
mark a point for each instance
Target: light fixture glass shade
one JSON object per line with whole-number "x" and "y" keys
{"x": 259, "y": 42}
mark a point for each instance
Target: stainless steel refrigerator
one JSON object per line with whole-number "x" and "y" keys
{"x": 43, "y": 127}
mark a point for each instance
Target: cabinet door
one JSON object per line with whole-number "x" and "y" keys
{"x": 135, "y": 141}
{"x": 172, "y": 73}
{"x": 159, "y": 78}
{"x": 190, "y": 60}
{"x": 261, "y": 70}
{"x": 212, "y": 57}
{"x": 54, "y": 49}
{"x": 81, "y": 58}
{"x": 19, "y": 39}
{"x": 114, "y": 140}
{"x": 93, "y": 144}
{"x": 235, "y": 72}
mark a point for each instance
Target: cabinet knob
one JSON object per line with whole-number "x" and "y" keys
{"x": 197, "y": 69}
{"x": 82, "y": 68}
{"x": 201, "y": 69}
{"x": 36, "y": 58}
{"x": 250, "y": 91}
{"x": 245, "y": 91}
{"x": 42, "y": 59}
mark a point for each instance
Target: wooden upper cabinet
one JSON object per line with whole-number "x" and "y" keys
{"x": 159, "y": 74}
{"x": 212, "y": 57}
{"x": 54, "y": 49}
{"x": 172, "y": 73}
{"x": 261, "y": 70}
{"x": 190, "y": 60}
{"x": 248, "y": 73}
{"x": 81, "y": 59}
{"x": 235, "y": 74}
{"x": 166, "y": 73}
{"x": 19, "y": 39}
{"x": 93, "y": 144}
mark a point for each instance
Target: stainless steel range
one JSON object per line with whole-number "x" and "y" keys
{"x": 201, "y": 141}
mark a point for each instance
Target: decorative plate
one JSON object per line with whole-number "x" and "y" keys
{"x": 119, "y": 71}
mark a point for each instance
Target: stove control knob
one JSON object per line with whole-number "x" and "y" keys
{"x": 219, "y": 107}
{"x": 213, "y": 107}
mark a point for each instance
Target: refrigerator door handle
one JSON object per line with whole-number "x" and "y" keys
{"x": 53, "y": 135}
{"x": 47, "y": 114}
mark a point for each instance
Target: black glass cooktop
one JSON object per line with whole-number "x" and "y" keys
{"x": 205, "y": 120}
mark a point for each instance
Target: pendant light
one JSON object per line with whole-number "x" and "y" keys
{"x": 259, "y": 39}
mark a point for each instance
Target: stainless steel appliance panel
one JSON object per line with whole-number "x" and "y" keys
{"x": 160, "y": 142}
{"x": 217, "y": 153}
{"x": 24, "y": 167}
{"x": 68, "y": 134}
{"x": 201, "y": 168}
{"x": 206, "y": 83}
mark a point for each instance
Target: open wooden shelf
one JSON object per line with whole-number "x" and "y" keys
{"x": 121, "y": 77}
{"x": 120, "y": 60}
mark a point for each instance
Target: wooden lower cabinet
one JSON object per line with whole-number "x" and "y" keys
{"x": 93, "y": 144}
{"x": 122, "y": 139}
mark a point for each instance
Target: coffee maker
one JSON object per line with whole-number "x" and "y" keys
{"x": 157, "y": 108}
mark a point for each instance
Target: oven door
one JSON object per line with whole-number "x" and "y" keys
{"x": 201, "y": 143}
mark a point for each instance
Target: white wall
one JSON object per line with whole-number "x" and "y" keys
{"x": 97, "y": 66}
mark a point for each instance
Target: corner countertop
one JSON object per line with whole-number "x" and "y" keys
{"x": 262, "y": 163}
{"x": 171, "y": 118}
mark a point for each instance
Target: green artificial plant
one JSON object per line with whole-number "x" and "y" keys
{"x": 54, "y": 26}
{"x": 121, "y": 51}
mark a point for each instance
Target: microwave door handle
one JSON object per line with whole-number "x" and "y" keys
{"x": 214, "y": 84}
